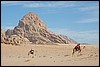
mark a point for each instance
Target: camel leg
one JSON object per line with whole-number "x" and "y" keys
{"x": 72, "y": 54}
{"x": 80, "y": 52}
{"x": 74, "y": 50}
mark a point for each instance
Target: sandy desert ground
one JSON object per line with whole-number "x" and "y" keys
{"x": 48, "y": 55}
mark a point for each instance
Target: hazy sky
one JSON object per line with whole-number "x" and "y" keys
{"x": 77, "y": 19}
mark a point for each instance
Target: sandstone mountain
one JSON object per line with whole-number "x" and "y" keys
{"x": 34, "y": 29}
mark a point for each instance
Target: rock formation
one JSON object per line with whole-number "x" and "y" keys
{"x": 32, "y": 29}
{"x": 69, "y": 40}
{"x": 8, "y": 33}
{"x": 16, "y": 40}
{"x": 3, "y": 36}
{"x": 8, "y": 38}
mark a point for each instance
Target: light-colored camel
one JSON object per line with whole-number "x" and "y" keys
{"x": 31, "y": 52}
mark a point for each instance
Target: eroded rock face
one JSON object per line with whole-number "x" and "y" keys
{"x": 3, "y": 36}
{"x": 69, "y": 40}
{"x": 16, "y": 40}
{"x": 8, "y": 33}
{"x": 33, "y": 28}
{"x": 8, "y": 38}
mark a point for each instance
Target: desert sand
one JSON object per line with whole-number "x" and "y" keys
{"x": 49, "y": 55}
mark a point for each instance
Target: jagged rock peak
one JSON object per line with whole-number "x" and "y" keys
{"x": 32, "y": 19}
{"x": 30, "y": 15}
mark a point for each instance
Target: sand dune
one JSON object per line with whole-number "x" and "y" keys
{"x": 48, "y": 55}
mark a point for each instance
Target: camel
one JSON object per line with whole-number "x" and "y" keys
{"x": 75, "y": 49}
{"x": 31, "y": 52}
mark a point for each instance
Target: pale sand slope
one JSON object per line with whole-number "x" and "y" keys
{"x": 48, "y": 55}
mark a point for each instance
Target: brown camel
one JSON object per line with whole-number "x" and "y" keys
{"x": 75, "y": 49}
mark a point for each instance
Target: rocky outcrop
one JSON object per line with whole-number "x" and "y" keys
{"x": 3, "y": 36}
{"x": 69, "y": 40}
{"x": 8, "y": 38}
{"x": 33, "y": 28}
{"x": 16, "y": 40}
{"x": 8, "y": 33}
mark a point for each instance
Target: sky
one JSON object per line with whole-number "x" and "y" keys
{"x": 78, "y": 20}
